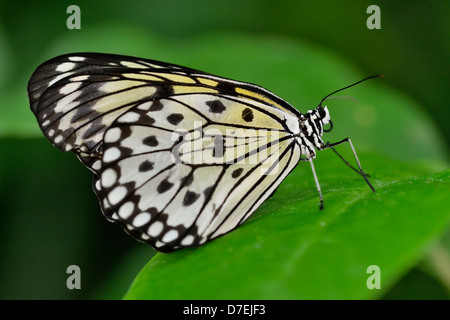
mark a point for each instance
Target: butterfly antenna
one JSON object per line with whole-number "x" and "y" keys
{"x": 354, "y": 84}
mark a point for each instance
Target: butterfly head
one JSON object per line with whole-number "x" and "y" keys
{"x": 323, "y": 116}
{"x": 313, "y": 122}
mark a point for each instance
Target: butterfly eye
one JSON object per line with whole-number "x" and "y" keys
{"x": 330, "y": 128}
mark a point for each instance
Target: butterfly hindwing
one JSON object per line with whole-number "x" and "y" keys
{"x": 176, "y": 186}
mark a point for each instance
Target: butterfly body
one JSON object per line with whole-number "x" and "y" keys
{"x": 179, "y": 156}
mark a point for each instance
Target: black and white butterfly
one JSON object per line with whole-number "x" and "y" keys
{"x": 179, "y": 156}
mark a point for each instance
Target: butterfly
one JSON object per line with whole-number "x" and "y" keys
{"x": 179, "y": 156}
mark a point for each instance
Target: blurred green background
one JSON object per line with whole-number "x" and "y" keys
{"x": 49, "y": 216}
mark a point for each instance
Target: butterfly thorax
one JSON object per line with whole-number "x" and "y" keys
{"x": 311, "y": 131}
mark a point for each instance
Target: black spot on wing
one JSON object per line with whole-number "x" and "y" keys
{"x": 215, "y": 106}
{"x": 145, "y": 119}
{"x": 146, "y": 166}
{"x": 164, "y": 91}
{"x": 226, "y": 87}
{"x": 236, "y": 173}
{"x": 208, "y": 191}
{"x": 156, "y": 106}
{"x": 164, "y": 186}
{"x": 175, "y": 118}
{"x": 247, "y": 115}
{"x": 190, "y": 198}
{"x": 150, "y": 141}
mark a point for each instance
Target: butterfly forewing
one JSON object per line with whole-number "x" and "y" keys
{"x": 179, "y": 156}
{"x": 75, "y": 98}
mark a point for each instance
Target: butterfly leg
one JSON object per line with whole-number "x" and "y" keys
{"x": 360, "y": 171}
{"x": 317, "y": 182}
{"x": 346, "y": 162}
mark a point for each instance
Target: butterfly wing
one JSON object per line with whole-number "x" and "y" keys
{"x": 76, "y": 97}
{"x": 171, "y": 148}
{"x": 181, "y": 183}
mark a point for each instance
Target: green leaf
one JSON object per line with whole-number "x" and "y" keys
{"x": 290, "y": 249}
